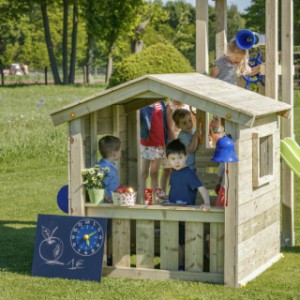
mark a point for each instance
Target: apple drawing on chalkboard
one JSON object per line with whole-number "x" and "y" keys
{"x": 51, "y": 248}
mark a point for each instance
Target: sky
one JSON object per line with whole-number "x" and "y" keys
{"x": 241, "y": 4}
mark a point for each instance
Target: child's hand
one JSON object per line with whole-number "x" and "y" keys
{"x": 205, "y": 207}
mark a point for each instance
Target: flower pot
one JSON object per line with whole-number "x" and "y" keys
{"x": 96, "y": 195}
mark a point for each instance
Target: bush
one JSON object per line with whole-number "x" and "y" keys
{"x": 156, "y": 59}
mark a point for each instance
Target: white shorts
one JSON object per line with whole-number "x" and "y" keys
{"x": 152, "y": 153}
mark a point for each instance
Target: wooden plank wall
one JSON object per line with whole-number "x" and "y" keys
{"x": 163, "y": 265}
{"x": 258, "y": 209}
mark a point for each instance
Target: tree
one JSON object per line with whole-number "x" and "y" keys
{"x": 108, "y": 21}
{"x": 156, "y": 59}
{"x": 147, "y": 13}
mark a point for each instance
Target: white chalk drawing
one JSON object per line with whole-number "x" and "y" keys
{"x": 51, "y": 248}
{"x": 75, "y": 265}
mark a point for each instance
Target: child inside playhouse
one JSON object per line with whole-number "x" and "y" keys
{"x": 184, "y": 185}
{"x": 173, "y": 131}
{"x": 110, "y": 150}
{"x": 188, "y": 135}
{"x": 152, "y": 145}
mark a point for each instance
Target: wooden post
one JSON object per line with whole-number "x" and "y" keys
{"x": 76, "y": 164}
{"x": 202, "y": 36}
{"x": 221, "y": 27}
{"x": 46, "y": 75}
{"x": 287, "y": 187}
{"x": 93, "y": 138}
{"x": 271, "y": 79}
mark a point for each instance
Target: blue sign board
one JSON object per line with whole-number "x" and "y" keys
{"x": 69, "y": 247}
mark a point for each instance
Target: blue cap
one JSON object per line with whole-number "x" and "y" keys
{"x": 224, "y": 151}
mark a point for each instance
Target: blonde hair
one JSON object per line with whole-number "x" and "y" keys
{"x": 242, "y": 68}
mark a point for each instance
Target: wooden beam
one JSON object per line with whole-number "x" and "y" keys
{"x": 76, "y": 164}
{"x": 221, "y": 27}
{"x": 156, "y": 212}
{"x": 202, "y": 36}
{"x": 287, "y": 55}
{"x": 140, "y": 273}
{"x": 271, "y": 79}
{"x": 93, "y": 139}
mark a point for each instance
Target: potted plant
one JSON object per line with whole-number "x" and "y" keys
{"x": 93, "y": 180}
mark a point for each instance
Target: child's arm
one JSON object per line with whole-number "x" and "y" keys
{"x": 204, "y": 193}
{"x": 215, "y": 71}
{"x": 192, "y": 147}
{"x": 170, "y": 123}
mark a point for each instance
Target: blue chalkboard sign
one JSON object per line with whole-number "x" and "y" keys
{"x": 69, "y": 247}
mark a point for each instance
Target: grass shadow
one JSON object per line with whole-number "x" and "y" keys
{"x": 17, "y": 245}
{"x": 295, "y": 249}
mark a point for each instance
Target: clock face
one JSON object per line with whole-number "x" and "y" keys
{"x": 86, "y": 237}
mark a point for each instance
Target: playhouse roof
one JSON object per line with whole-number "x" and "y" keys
{"x": 200, "y": 91}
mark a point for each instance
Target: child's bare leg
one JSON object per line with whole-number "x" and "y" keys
{"x": 145, "y": 165}
{"x": 155, "y": 164}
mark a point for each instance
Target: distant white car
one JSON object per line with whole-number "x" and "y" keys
{"x": 15, "y": 69}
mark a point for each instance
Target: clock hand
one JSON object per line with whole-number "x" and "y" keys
{"x": 91, "y": 234}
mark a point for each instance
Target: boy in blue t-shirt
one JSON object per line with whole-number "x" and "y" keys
{"x": 110, "y": 150}
{"x": 184, "y": 182}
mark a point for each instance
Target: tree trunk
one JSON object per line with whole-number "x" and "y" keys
{"x": 74, "y": 43}
{"x": 109, "y": 63}
{"x": 89, "y": 57}
{"x": 65, "y": 42}
{"x": 52, "y": 58}
{"x": 136, "y": 42}
{"x": 136, "y": 46}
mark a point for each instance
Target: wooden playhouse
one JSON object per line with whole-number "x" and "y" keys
{"x": 244, "y": 236}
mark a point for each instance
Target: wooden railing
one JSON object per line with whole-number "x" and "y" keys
{"x": 138, "y": 229}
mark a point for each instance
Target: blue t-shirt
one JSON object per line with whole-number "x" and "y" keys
{"x": 186, "y": 139}
{"x": 184, "y": 185}
{"x": 111, "y": 181}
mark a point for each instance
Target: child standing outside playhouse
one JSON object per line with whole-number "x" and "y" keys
{"x": 153, "y": 134}
{"x": 110, "y": 150}
{"x": 188, "y": 135}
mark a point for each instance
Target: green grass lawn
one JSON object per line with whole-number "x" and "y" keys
{"x": 33, "y": 167}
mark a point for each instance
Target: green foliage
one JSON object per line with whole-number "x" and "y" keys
{"x": 156, "y": 59}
